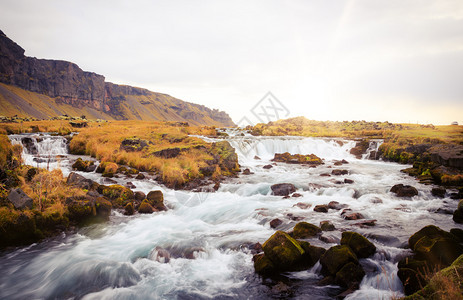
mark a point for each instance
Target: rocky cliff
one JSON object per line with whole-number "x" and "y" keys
{"x": 70, "y": 89}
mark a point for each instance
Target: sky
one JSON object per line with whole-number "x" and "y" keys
{"x": 373, "y": 60}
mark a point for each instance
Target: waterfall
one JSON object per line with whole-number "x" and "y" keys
{"x": 43, "y": 151}
{"x": 372, "y": 151}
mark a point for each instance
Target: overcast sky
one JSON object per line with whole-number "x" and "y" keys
{"x": 374, "y": 60}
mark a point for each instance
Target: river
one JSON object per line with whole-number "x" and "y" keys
{"x": 207, "y": 235}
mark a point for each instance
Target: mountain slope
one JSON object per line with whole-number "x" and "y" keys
{"x": 44, "y": 88}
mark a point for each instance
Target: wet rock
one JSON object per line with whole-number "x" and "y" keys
{"x": 19, "y": 199}
{"x": 435, "y": 246}
{"x": 323, "y": 208}
{"x": 133, "y": 145}
{"x": 140, "y": 176}
{"x": 458, "y": 214}
{"x": 303, "y": 205}
{"x": 103, "y": 208}
{"x": 359, "y": 244}
{"x": 247, "y": 172}
{"x": 310, "y": 159}
{"x": 328, "y": 239}
{"x": 294, "y": 218}
{"x": 118, "y": 195}
{"x": 335, "y": 258}
{"x": 275, "y": 223}
{"x": 84, "y": 165}
{"x": 256, "y": 157}
{"x": 336, "y": 205}
{"x": 80, "y": 181}
{"x": 404, "y": 190}
{"x": 156, "y": 200}
{"x": 160, "y": 254}
{"x": 348, "y": 181}
{"x": 130, "y": 185}
{"x": 311, "y": 254}
{"x": 338, "y": 172}
{"x": 360, "y": 148}
{"x": 325, "y": 175}
{"x": 81, "y": 210}
{"x": 327, "y": 226}
{"x": 304, "y": 230}
{"x": 412, "y": 274}
{"x": 367, "y": 223}
{"x": 296, "y": 195}
{"x": 280, "y": 288}
{"x": 376, "y": 200}
{"x": 129, "y": 209}
{"x": 263, "y": 265}
{"x": 31, "y": 173}
{"x": 145, "y": 208}
{"x": 139, "y": 196}
{"x": 283, "y": 189}
{"x": 255, "y": 248}
{"x": 350, "y": 275}
{"x": 353, "y": 216}
{"x": 267, "y": 167}
{"x": 457, "y": 233}
{"x": 226, "y": 156}
{"x": 282, "y": 251}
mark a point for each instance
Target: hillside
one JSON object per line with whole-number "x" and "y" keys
{"x": 43, "y": 88}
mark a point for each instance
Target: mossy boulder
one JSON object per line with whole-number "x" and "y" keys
{"x": 156, "y": 200}
{"x": 283, "y": 189}
{"x": 350, "y": 275}
{"x": 263, "y": 265}
{"x": 103, "y": 208}
{"x": 118, "y": 195}
{"x": 133, "y": 145}
{"x": 17, "y": 228}
{"x": 312, "y": 254}
{"x": 323, "y": 208}
{"x": 404, "y": 190}
{"x": 81, "y": 210}
{"x": 145, "y": 208}
{"x": 139, "y": 196}
{"x": 83, "y": 165}
{"x": 310, "y": 159}
{"x": 110, "y": 169}
{"x": 284, "y": 251}
{"x": 361, "y": 246}
{"x": 412, "y": 273}
{"x": 304, "y": 230}
{"x": 438, "y": 251}
{"x": 458, "y": 213}
{"x": 327, "y": 226}
{"x": 129, "y": 209}
{"x": 445, "y": 284}
{"x": 335, "y": 258}
{"x": 80, "y": 181}
{"x": 224, "y": 154}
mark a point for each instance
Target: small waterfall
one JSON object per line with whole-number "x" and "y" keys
{"x": 372, "y": 151}
{"x": 44, "y": 151}
{"x": 266, "y": 147}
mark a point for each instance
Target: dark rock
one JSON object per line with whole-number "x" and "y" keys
{"x": 304, "y": 230}
{"x": 118, "y": 195}
{"x": 328, "y": 239}
{"x": 130, "y": 185}
{"x": 296, "y": 195}
{"x": 129, "y": 209}
{"x": 353, "y": 216}
{"x": 360, "y": 148}
{"x": 323, "y": 208}
{"x": 156, "y": 200}
{"x": 140, "y": 176}
{"x": 275, "y": 223}
{"x": 103, "y": 208}
{"x": 82, "y": 165}
{"x": 19, "y": 199}
{"x": 325, "y": 175}
{"x": 302, "y": 205}
{"x": 327, "y": 226}
{"x": 168, "y": 153}
{"x": 283, "y": 189}
{"x": 438, "y": 192}
{"x": 80, "y": 181}
{"x": 145, "y": 208}
{"x": 458, "y": 213}
{"x": 31, "y": 173}
{"x": 226, "y": 156}
{"x": 310, "y": 159}
{"x": 256, "y": 248}
{"x": 90, "y": 168}
{"x": 283, "y": 251}
{"x": 338, "y": 172}
{"x": 133, "y": 144}
{"x": 404, "y": 190}
{"x": 361, "y": 246}
{"x": 449, "y": 155}
{"x": 311, "y": 254}
{"x": 247, "y": 172}
{"x": 350, "y": 276}
{"x": 336, "y": 205}
{"x": 263, "y": 265}
{"x": 335, "y": 258}
{"x": 367, "y": 223}
{"x": 267, "y": 167}
{"x": 348, "y": 181}
{"x": 139, "y": 196}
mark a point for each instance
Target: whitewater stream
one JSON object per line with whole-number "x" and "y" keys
{"x": 208, "y": 234}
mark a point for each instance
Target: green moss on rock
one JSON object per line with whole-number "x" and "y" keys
{"x": 361, "y": 246}
{"x": 304, "y": 230}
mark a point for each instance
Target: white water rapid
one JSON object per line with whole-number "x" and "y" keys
{"x": 198, "y": 249}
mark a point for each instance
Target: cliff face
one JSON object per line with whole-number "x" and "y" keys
{"x": 67, "y": 84}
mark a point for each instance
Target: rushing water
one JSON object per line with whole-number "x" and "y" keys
{"x": 207, "y": 234}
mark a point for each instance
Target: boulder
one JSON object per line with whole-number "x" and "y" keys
{"x": 82, "y": 165}
{"x": 348, "y": 181}
{"x": 327, "y": 226}
{"x": 458, "y": 213}
{"x": 310, "y": 159}
{"x": 31, "y": 173}
{"x": 404, "y": 190}
{"x": 118, "y": 195}
{"x": 140, "y": 176}
{"x": 283, "y": 251}
{"x": 360, "y": 148}
{"x": 336, "y": 205}
{"x": 323, "y": 208}
{"x": 353, "y": 216}
{"x": 133, "y": 144}
{"x": 129, "y": 209}
{"x": 81, "y": 210}
{"x": 103, "y": 208}
{"x": 304, "y": 230}
{"x": 145, "y": 208}
{"x": 80, "y": 181}
{"x": 168, "y": 153}
{"x": 139, "y": 196}
{"x": 275, "y": 223}
{"x": 263, "y": 265}
{"x": 283, "y": 189}
{"x": 350, "y": 276}
{"x": 303, "y": 205}
{"x": 412, "y": 273}
{"x": 438, "y": 192}
{"x": 267, "y": 167}
{"x": 338, "y": 172}
{"x": 362, "y": 247}
{"x": 247, "y": 172}
{"x": 156, "y": 200}
{"x": 312, "y": 254}
{"x": 335, "y": 258}
{"x": 19, "y": 199}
